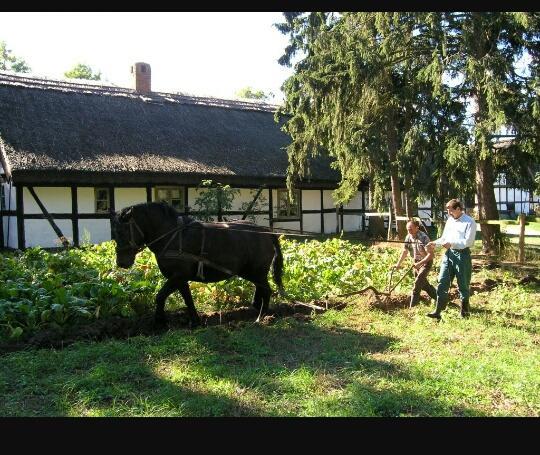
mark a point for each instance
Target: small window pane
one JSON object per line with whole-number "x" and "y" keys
{"x": 286, "y": 208}
{"x": 102, "y": 200}
{"x": 173, "y": 196}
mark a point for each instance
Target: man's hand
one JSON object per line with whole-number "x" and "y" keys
{"x": 433, "y": 245}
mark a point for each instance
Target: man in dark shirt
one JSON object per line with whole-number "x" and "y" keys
{"x": 416, "y": 244}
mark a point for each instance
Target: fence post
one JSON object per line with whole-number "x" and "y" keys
{"x": 389, "y": 235}
{"x": 521, "y": 256}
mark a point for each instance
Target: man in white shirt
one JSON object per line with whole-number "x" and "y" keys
{"x": 457, "y": 238}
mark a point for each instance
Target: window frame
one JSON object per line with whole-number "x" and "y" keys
{"x": 288, "y": 204}
{"x": 169, "y": 199}
{"x": 96, "y": 200}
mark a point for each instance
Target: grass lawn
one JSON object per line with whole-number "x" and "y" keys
{"x": 364, "y": 360}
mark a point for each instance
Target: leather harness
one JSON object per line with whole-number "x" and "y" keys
{"x": 173, "y": 253}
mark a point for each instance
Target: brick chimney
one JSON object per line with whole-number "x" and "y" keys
{"x": 141, "y": 77}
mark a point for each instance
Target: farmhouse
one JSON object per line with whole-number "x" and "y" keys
{"x": 72, "y": 153}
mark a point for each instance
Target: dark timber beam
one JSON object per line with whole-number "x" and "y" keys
{"x": 250, "y": 206}
{"x": 112, "y": 206}
{"x": 50, "y": 219}
{"x": 270, "y": 209}
{"x": 300, "y": 210}
{"x": 2, "y": 227}
{"x": 20, "y": 218}
{"x": 322, "y": 211}
{"x": 75, "y": 215}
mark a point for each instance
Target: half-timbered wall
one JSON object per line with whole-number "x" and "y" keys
{"x": 73, "y": 210}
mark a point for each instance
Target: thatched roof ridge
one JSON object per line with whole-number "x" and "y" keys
{"x": 99, "y": 88}
{"x": 54, "y": 126}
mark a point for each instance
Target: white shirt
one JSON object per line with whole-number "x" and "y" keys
{"x": 459, "y": 233}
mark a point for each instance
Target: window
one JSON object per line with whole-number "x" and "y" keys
{"x": 286, "y": 208}
{"x": 102, "y": 198}
{"x": 173, "y": 195}
{"x": 2, "y": 197}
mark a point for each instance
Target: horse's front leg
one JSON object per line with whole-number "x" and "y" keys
{"x": 168, "y": 288}
{"x": 183, "y": 286}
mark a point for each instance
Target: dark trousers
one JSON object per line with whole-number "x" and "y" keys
{"x": 458, "y": 264}
{"x": 421, "y": 282}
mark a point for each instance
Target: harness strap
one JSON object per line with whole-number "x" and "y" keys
{"x": 201, "y": 259}
{"x": 200, "y": 266}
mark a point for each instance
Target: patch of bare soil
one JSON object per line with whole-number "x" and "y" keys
{"x": 480, "y": 261}
{"x": 117, "y": 327}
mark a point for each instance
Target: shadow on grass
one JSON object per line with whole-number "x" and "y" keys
{"x": 286, "y": 369}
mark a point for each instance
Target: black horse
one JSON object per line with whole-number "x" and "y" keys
{"x": 189, "y": 250}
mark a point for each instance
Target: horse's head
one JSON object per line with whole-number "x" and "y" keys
{"x": 128, "y": 236}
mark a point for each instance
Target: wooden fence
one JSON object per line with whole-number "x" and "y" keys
{"x": 522, "y": 223}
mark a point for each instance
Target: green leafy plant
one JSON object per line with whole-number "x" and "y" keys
{"x": 214, "y": 198}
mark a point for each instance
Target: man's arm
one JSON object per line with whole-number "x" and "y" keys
{"x": 404, "y": 253}
{"x": 441, "y": 241}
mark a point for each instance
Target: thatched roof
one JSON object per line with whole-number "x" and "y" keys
{"x": 60, "y": 132}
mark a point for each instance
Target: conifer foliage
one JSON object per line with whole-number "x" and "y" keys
{"x": 387, "y": 96}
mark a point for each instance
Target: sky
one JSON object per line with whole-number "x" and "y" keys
{"x": 204, "y": 54}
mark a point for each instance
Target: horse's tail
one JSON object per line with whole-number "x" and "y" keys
{"x": 277, "y": 266}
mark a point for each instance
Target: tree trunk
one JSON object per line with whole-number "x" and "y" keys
{"x": 394, "y": 180}
{"x": 376, "y": 223}
{"x": 487, "y": 205}
{"x": 411, "y": 206}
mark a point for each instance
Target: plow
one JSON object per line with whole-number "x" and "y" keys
{"x": 384, "y": 295}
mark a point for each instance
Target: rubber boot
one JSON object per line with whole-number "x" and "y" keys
{"x": 465, "y": 308}
{"x": 438, "y": 309}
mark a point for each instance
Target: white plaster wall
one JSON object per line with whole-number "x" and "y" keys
{"x": 193, "y": 194}
{"x": 330, "y": 223}
{"x": 246, "y": 196}
{"x": 11, "y": 230}
{"x": 355, "y": 202}
{"x": 262, "y": 220}
{"x": 55, "y": 200}
{"x": 86, "y": 200}
{"x": 11, "y": 221}
{"x": 312, "y": 222}
{"x": 94, "y": 231}
{"x": 124, "y": 197}
{"x": 328, "y": 202}
{"x": 352, "y": 222}
{"x": 41, "y": 233}
{"x": 311, "y": 200}
{"x": 295, "y": 225}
